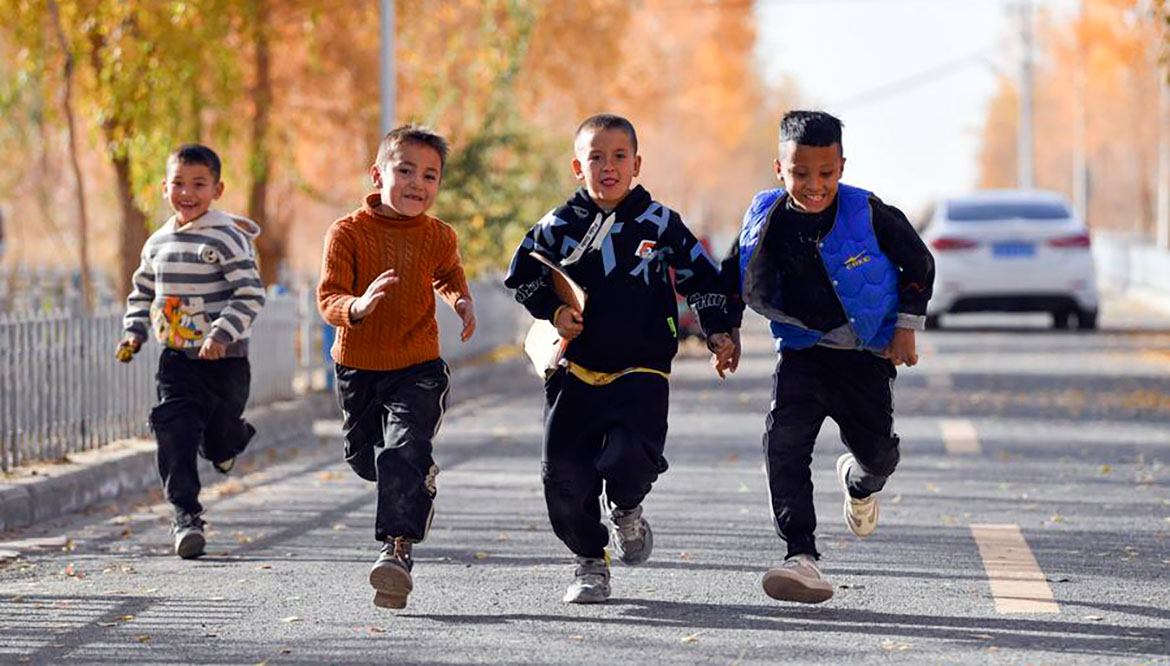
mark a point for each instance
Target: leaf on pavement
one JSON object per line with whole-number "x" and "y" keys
{"x": 577, "y": 637}
{"x": 1105, "y": 469}
{"x": 263, "y": 566}
{"x": 241, "y": 537}
{"x": 893, "y": 646}
{"x": 693, "y": 638}
{"x": 291, "y": 618}
{"x": 1094, "y": 618}
{"x": 481, "y": 555}
{"x": 340, "y": 526}
{"x": 930, "y": 487}
{"x": 142, "y": 639}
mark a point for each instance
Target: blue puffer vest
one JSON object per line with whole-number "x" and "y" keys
{"x": 865, "y": 280}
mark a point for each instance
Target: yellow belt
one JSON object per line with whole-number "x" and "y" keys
{"x": 602, "y": 378}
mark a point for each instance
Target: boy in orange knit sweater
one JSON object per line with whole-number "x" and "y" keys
{"x": 383, "y": 264}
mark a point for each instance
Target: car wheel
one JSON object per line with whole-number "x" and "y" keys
{"x": 933, "y": 323}
{"x": 1087, "y": 320}
{"x": 1062, "y": 319}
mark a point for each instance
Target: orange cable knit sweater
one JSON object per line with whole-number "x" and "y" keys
{"x": 402, "y": 330}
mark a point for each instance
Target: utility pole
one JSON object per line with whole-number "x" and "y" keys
{"x": 1080, "y": 184}
{"x": 387, "y": 70}
{"x": 1025, "y": 156}
{"x": 1162, "y": 223}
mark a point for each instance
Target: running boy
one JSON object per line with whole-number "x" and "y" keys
{"x": 197, "y": 288}
{"x": 383, "y": 264}
{"x": 844, "y": 279}
{"x": 606, "y": 406}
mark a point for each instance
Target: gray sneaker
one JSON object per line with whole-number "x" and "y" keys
{"x": 390, "y": 576}
{"x": 632, "y": 539}
{"x": 798, "y": 579}
{"x": 591, "y": 585}
{"x": 189, "y": 540}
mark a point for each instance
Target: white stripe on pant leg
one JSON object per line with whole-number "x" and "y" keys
{"x": 1017, "y": 583}
{"x": 443, "y": 400}
{"x": 960, "y": 437}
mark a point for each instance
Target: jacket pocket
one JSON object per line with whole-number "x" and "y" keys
{"x": 179, "y": 322}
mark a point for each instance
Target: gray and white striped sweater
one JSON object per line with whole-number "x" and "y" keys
{"x": 195, "y": 281}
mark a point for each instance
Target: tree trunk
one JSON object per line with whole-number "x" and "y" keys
{"x": 133, "y": 224}
{"x": 82, "y": 213}
{"x": 272, "y": 245}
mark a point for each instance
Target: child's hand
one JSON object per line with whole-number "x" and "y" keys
{"x": 902, "y": 348}
{"x": 365, "y": 304}
{"x": 725, "y": 349}
{"x": 127, "y": 348}
{"x": 212, "y": 350}
{"x": 569, "y": 322}
{"x": 466, "y": 311}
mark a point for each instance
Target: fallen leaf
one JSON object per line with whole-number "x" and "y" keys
{"x": 375, "y": 630}
{"x": 481, "y": 555}
{"x": 291, "y": 618}
{"x": 263, "y": 566}
{"x": 930, "y": 487}
{"x": 1105, "y": 469}
{"x": 339, "y": 526}
{"x": 1094, "y": 618}
{"x": 693, "y": 638}
{"x": 684, "y": 555}
{"x": 986, "y": 637}
{"x": 142, "y": 639}
{"x": 578, "y": 637}
{"x": 17, "y": 598}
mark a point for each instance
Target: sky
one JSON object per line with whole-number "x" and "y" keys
{"x": 911, "y": 79}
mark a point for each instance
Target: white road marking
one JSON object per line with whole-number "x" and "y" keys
{"x": 959, "y": 437}
{"x": 1017, "y": 584}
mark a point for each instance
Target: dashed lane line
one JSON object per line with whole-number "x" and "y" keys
{"x": 959, "y": 437}
{"x": 1017, "y": 583}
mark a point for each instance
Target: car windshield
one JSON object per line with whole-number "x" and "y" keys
{"x": 989, "y": 211}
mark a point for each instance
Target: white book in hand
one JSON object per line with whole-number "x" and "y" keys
{"x": 544, "y": 346}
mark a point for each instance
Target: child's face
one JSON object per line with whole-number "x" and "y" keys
{"x": 190, "y": 189}
{"x": 810, "y": 174}
{"x": 409, "y": 182}
{"x": 605, "y": 163}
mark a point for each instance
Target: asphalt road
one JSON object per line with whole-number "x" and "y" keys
{"x": 1059, "y": 439}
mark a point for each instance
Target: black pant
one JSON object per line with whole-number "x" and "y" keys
{"x": 200, "y": 410}
{"x": 614, "y": 433}
{"x": 398, "y": 412}
{"x": 855, "y": 389}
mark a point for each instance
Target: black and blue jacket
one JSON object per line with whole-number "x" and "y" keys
{"x": 631, "y": 311}
{"x": 869, "y": 286}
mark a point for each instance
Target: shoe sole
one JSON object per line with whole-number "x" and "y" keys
{"x": 782, "y": 586}
{"x": 643, "y": 555}
{"x": 191, "y": 546}
{"x": 841, "y": 462}
{"x": 225, "y": 466}
{"x": 392, "y": 585}
{"x": 586, "y": 599}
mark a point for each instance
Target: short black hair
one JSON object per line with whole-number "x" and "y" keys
{"x": 810, "y": 128}
{"x": 196, "y": 153}
{"x": 608, "y": 121}
{"x": 411, "y": 133}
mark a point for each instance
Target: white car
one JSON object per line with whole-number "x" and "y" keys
{"x": 1012, "y": 251}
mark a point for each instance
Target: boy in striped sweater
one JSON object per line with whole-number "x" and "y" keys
{"x": 198, "y": 290}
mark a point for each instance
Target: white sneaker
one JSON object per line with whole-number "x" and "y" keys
{"x": 631, "y": 536}
{"x": 861, "y": 515}
{"x": 590, "y": 581}
{"x": 798, "y": 579}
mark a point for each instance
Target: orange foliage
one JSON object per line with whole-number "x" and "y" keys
{"x": 1120, "y": 47}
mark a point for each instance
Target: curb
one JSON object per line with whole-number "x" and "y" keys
{"x": 128, "y": 466}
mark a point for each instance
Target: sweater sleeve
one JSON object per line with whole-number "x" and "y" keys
{"x": 137, "y": 319}
{"x": 901, "y": 244}
{"x": 449, "y": 280}
{"x": 239, "y": 271}
{"x": 338, "y": 276}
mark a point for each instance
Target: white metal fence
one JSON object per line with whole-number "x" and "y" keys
{"x": 62, "y": 390}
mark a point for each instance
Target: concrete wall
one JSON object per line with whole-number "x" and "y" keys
{"x": 500, "y": 320}
{"x": 1129, "y": 264}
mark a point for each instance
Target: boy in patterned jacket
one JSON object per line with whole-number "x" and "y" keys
{"x": 198, "y": 291}
{"x": 606, "y": 404}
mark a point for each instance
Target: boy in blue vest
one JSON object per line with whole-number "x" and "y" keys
{"x": 844, "y": 280}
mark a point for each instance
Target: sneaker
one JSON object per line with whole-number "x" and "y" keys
{"x": 798, "y": 579}
{"x": 861, "y": 515}
{"x": 224, "y": 466}
{"x": 390, "y": 576}
{"x": 189, "y": 540}
{"x": 591, "y": 585}
{"x": 632, "y": 538}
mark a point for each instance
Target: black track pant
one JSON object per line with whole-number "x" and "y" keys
{"x": 593, "y": 434}
{"x": 200, "y": 413}
{"x": 390, "y": 419}
{"x": 855, "y": 389}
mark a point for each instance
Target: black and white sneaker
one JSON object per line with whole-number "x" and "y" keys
{"x": 390, "y": 576}
{"x": 590, "y": 581}
{"x": 631, "y": 536}
{"x": 189, "y": 539}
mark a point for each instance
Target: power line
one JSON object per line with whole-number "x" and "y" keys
{"x": 916, "y": 80}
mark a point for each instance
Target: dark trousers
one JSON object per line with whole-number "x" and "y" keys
{"x": 390, "y": 419}
{"x": 593, "y": 434}
{"x": 200, "y": 413}
{"x": 855, "y": 389}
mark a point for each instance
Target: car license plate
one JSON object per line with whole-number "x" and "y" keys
{"x": 1014, "y": 249}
